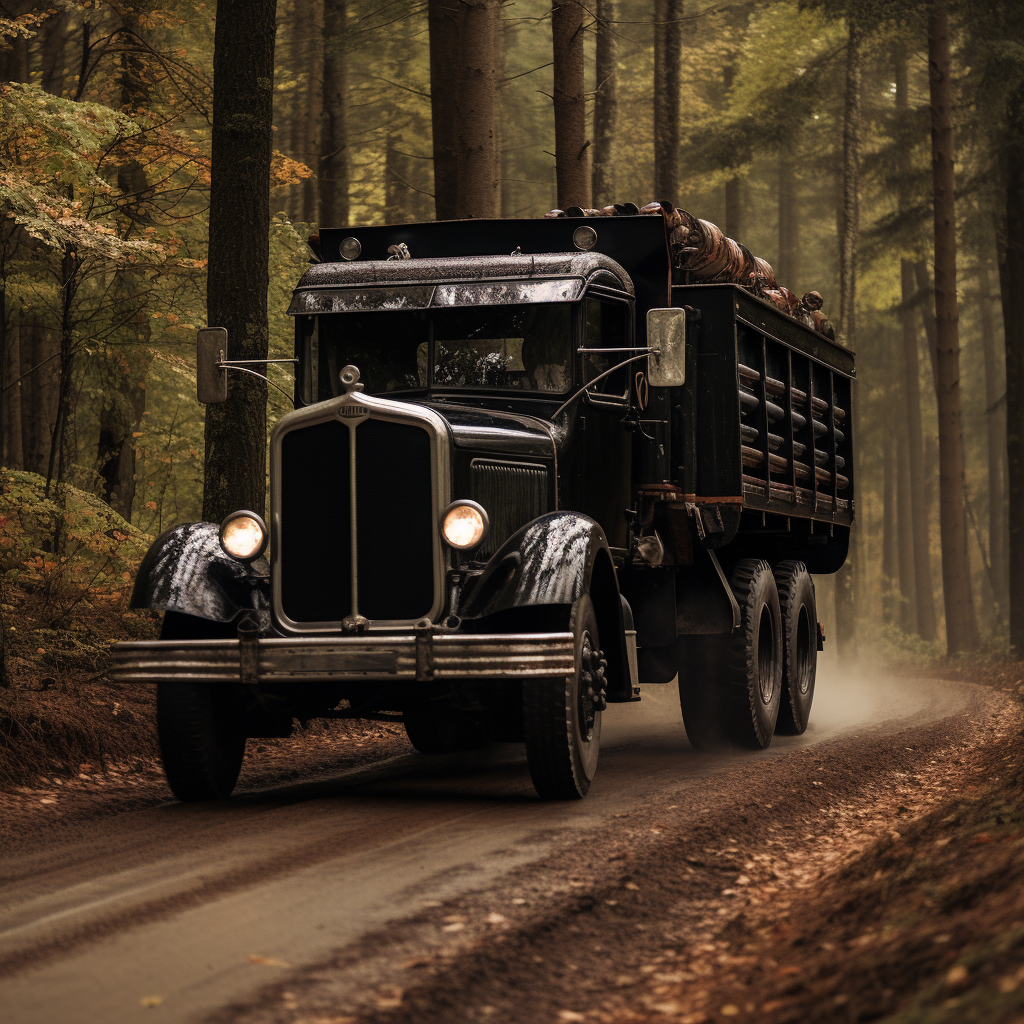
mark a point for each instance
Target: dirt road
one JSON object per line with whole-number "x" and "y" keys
{"x": 336, "y": 898}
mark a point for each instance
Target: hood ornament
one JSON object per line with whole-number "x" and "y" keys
{"x": 350, "y": 379}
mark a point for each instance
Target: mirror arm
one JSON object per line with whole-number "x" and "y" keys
{"x": 642, "y": 351}
{"x": 625, "y": 362}
{"x": 253, "y": 362}
{"x": 242, "y": 369}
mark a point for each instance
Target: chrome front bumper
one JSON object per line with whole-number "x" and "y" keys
{"x": 413, "y": 657}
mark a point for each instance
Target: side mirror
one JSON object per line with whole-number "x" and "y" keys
{"x": 666, "y": 334}
{"x": 211, "y": 378}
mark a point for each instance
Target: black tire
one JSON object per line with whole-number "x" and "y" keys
{"x": 201, "y": 744}
{"x": 438, "y": 729}
{"x": 562, "y": 717}
{"x": 799, "y": 646}
{"x": 198, "y": 726}
{"x": 730, "y": 687}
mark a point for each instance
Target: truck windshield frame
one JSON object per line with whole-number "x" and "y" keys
{"x": 524, "y": 349}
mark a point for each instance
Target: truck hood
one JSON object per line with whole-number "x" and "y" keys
{"x": 497, "y": 431}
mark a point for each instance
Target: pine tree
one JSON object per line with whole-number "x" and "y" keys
{"x": 237, "y": 278}
{"x": 572, "y": 163}
{"x": 961, "y": 625}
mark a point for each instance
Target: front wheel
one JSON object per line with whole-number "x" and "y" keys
{"x": 562, "y": 717}
{"x": 201, "y": 743}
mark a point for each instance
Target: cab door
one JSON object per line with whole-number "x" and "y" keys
{"x": 607, "y": 442}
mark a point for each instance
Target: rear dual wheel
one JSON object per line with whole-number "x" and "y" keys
{"x": 800, "y": 645}
{"x": 730, "y": 687}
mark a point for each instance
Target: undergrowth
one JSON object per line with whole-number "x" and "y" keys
{"x": 61, "y": 612}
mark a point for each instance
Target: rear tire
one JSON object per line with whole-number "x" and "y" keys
{"x": 562, "y": 717}
{"x": 800, "y": 646}
{"x": 201, "y": 744}
{"x": 730, "y": 687}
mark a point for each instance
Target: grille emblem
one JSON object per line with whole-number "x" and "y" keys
{"x": 351, "y": 411}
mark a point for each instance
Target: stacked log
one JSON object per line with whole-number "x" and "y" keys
{"x": 801, "y": 453}
{"x": 704, "y": 252}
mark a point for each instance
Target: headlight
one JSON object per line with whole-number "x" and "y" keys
{"x": 243, "y": 535}
{"x": 464, "y": 524}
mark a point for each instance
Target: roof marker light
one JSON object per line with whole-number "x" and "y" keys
{"x": 350, "y": 248}
{"x": 584, "y": 237}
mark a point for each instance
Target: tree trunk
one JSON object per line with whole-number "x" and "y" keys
{"x": 299, "y": 48}
{"x": 905, "y": 529}
{"x": 668, "y": 47}
{"x": 849, "y": 227}
{"x": 443, "y": 22}
{"x": 787, "y": 267}
{"x": 1010, "y": 275}
{"x": 14, "y": 65}
{"x": 923, "y": 586}
{"x": 995, "y": 430}
{"x": 918, "y": 505}
{"x": 572, "y": 160}
{"x": 734, "y": 208}
{"x": 122, "y": 409}
{"x": 500, "y": 85}
{"x": 474, "y": 110}
{"x": 120, "y": 416}
{"x": 54, "y": 39}
{"x": 236, "y": 297}
{"x": 605, "y": 106}
{"x": 63, "y": 441}
{"x": 37, "y": 394}
{"x": 926, "y": 302}
{"x": 10, "y": 418}
{"x": 333, "y": 169}
{"x": 890, "y": 564}
{"x": 311, "y": 120}
{"x": 508, "y": 191}
{"x": 961, "y": 626}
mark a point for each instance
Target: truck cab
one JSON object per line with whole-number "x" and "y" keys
{"x": 521, "y": 479}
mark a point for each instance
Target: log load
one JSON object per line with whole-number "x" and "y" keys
{"x": 703, "y": 252}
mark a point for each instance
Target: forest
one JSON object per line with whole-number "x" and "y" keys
{"x": 163, "y": 163}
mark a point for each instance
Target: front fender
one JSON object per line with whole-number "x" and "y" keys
{"x": 187, "y": 571}
{"x": 534, "y": 578}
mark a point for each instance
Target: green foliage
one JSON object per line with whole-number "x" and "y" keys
{"x": 103, "y": 550}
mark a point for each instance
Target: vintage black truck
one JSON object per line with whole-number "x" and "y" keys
{"x": 533, "y": 466}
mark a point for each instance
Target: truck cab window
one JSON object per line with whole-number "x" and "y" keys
{"x": 521, "y": 347}
{"x": 390, "y": 350}
{"x": 525, "y": 347}
{"x": 607, "y": 327}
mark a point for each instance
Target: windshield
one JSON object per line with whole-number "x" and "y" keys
{"x": 517, "y": 347}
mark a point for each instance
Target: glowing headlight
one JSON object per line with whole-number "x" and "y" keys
{"x": 243, "y": 535}
{"x": 464, "y": 524}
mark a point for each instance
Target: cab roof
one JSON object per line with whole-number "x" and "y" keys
{"x": 326, "y": 287}
{"x": 636, "y": 245}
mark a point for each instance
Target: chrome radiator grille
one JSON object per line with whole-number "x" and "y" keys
{"x": 395, "y": 531}
{"x": 513, "y": 494}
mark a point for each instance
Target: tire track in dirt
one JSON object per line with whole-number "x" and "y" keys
{"x": 624, "y": 923}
